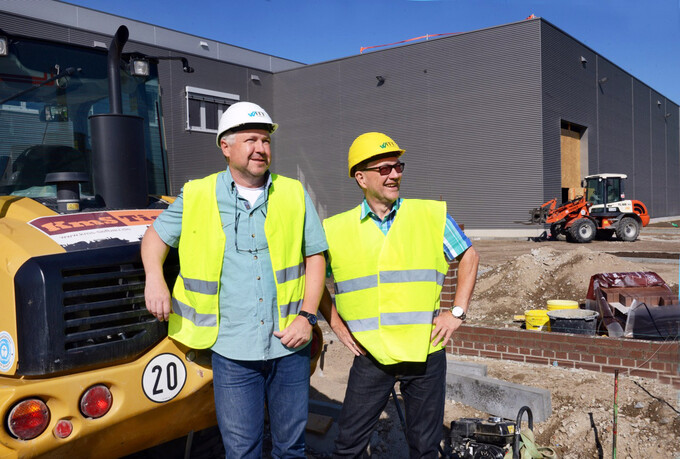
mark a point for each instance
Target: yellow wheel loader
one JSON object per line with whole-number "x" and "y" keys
{"x": 85, "y": 370}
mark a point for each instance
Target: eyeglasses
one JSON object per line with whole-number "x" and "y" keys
{"x": 387, "y": 169}
{"x": 237, "y": 217}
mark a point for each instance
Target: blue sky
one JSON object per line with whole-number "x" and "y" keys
{"x": 640, "y": 36}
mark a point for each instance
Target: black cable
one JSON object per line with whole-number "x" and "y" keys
{"x": 600, "y": 453}
{"x": 657, "y": 398}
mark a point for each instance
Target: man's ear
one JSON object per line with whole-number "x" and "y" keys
{"x": 360, "y": 178}
{"x": 225, "y": 149}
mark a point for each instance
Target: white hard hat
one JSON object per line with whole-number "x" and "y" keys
{"x": 242, "y": 115}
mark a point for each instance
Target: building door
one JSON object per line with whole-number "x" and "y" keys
{"x": 574, "y": 162}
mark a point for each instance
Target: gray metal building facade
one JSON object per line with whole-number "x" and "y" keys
{"x": 481, "y": 114}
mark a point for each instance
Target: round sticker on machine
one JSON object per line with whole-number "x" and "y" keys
{"x": 6, "y": 351}
{"x": 164, "y": 378}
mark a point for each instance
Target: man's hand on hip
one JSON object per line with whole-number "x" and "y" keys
{"x": 444, "y": 326}
{"x": 296, "y": 334}
{"x": 345, "y": 336}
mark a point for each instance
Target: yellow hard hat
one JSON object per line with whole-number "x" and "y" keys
{"x": 369, "y": 145}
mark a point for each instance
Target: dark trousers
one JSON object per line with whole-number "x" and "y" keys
{"x": 423, "y": 387}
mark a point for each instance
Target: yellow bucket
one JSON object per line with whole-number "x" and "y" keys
{"x": 554, "y": 305}
{"x": 537, "y": 319}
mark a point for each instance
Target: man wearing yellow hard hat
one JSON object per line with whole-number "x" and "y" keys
{"x": 389, "y": 257}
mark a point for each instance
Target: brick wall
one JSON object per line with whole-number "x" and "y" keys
{"x": 649, "y": 359}
{"x": 449, "y": 287}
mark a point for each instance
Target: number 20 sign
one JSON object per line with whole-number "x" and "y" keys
{"x": 164, "y": 377}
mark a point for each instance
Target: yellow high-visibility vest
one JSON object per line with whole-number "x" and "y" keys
{"x": 195, "y": 296}
{"x": 387, "y": 288}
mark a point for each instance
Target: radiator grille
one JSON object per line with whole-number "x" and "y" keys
{"x": 85, "y": 309}
{"x": 103, "y": 304}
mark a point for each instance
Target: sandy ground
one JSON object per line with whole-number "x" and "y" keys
{"x": 516, "y": 275}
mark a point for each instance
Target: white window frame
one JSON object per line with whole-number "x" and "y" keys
{"x": 201, "y": 94}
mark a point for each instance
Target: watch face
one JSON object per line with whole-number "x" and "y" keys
{"x": 457, "y": 311}
{"x": 310, "y": 317}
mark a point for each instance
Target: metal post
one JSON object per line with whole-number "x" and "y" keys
{"x": 616, "y": 412}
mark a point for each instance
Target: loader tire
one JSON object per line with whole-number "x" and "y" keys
{"x": 583, "y": 230}
{"x": 628, "y": 229}
{"x": 555, "y": 231}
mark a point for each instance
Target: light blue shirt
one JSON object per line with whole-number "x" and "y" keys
{"x": 248, "y": 311}
{"x": 455, "y": 241}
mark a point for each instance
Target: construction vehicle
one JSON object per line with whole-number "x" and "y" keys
{"x": 85, "y": 369}
{"x": 601, "y": 212}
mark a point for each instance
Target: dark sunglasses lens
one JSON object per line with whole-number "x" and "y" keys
{"x": 385, "y": 170}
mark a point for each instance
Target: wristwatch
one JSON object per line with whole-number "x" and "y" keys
{"x": 458, "y": 313}
{"x": 310, "y": 317}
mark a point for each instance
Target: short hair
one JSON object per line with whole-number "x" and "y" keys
{"x": 229, "y": 137}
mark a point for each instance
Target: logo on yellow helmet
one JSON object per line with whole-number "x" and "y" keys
{"x": 388, "y": 144}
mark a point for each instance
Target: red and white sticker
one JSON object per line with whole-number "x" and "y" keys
{"x": 86, "y": 230}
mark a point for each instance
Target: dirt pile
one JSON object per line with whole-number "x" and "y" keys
{"x": 530, "y": 280}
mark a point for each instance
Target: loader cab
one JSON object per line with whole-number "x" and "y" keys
{"x": 603, "y": 190}
{"x": 48, "y": 93}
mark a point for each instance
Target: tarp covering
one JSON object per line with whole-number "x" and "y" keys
{"x": 634, "y": 305}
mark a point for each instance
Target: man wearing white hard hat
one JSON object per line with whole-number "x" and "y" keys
{"x": 389, "y": 257}
{"x": 252, "y": 272}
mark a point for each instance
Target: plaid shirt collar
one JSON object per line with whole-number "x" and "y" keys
{"x": 367, "y": 212}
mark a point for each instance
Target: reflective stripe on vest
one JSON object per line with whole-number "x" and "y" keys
{"x": 195, "y": 317}
{"x": 392, "y": 318}
{"x": 200, "y": 286}
{"x": 388, "y": 287}
{"x": 412, "y": 275}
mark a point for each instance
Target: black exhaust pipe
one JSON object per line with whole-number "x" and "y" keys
{"x": 119, "y": 159}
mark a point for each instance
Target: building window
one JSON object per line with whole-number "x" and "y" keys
{"x": 205, "y": 107}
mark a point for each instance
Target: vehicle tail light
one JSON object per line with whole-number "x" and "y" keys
{"x": 63, "y": 429}
{"x": 96, "y": 401}
{"x": 28, "y": 419}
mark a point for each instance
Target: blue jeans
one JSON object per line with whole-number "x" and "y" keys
{"x": 423, "y": 387}
{"x": 241, "y": 389}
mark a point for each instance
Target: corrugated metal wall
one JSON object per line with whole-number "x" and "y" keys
{"x": 194, "y": 154}
{"x": 627, "y": 128}
{"x": 479, "y": 114}
{"x": 466, "y": 108}
{"x": 569, "y": 94}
